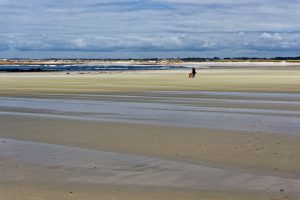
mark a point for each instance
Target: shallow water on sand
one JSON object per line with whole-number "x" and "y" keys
{"x": 287, "y": 96}
{"x": 168, "y": 111}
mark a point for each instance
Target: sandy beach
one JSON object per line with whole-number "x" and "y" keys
{"x": 230, "y": 133}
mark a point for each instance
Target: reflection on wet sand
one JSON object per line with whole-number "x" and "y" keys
{"x": 169, "y": 113}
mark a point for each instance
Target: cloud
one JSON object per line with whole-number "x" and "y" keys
{"x": 270, "y": 36}
{"x": 266, "y": 35}
{"x": 4, "y": 46}
{"x": 136, "y": 43}
{"x": 149, "y": 27}
{"x": 198, "y": 42}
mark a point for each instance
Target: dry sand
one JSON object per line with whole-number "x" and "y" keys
{"x": 263, "y": 154}
{"x": 284, "y": 80}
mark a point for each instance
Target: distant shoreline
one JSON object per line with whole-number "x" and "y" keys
{"x": 144, "y": 62}
{"x": 17, "y": 66}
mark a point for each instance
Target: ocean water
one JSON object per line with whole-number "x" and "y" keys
{"x": 40, "y": 68}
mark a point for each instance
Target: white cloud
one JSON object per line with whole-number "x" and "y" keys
{"x": 150, "y": 26}
{"x": 275, "y": 36}
{"x": 266, "y": 35}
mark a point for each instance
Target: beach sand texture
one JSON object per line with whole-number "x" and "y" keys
{"x": 227, "y": 134}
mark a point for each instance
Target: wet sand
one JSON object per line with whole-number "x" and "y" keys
{"x": 76, "y": 165}
{"x": 51, "y": 191}
{"x": 276, "y": 154}
{"x": 149, "y": 136}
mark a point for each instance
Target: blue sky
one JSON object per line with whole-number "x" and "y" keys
{"x": 149, "y": 28}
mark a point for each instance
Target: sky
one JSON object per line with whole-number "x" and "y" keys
{"x": 149, "y": 28}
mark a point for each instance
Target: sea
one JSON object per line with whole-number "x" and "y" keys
{"x": 59, "y": 68}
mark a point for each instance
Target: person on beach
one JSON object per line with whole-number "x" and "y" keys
{"x": 194, "y": 72}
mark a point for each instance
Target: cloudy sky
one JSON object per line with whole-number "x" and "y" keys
{"x": 149, "y": 28}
